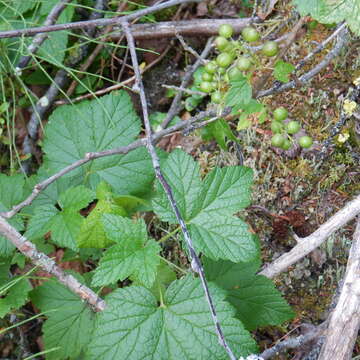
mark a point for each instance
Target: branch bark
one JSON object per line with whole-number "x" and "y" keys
{"x": 344, "y": 321}
{"x": 92, "y": 23}
{"x": 49, "y": 265}
{"x": 311, "y": 242}
{"x": 195, "y": 28}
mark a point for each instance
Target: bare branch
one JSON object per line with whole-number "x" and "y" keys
{"x": 92, "y": 23}
{"x": 342, "y": 38}
{"x": 96, "y": 155}
{"x": 311, "y": 242}
{"x": 294, "y": 342}
{"x": 194, "y": 28}
{"x": 195, "y": 261}
{"x": 344, "y": 321}
{"x": 175, "y": 107}
{"x": 40, "y": 38}
{"x": 49, "y": 265}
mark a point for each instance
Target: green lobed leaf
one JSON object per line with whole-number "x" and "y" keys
{"x": 92, "y": 233}
{"x": 330, "y": 11}
{"x": 64, "y": 224}
{"x": 257, "y": 301}
{"x": 208, "y": 206}
{"x": 133, "y": 325}
{"x": 239, "y": 93}
{"x": 133, "y": 255}
{"x": 70, "y": 326}
{"x": 221, "y": 131}
{"x": 16, "y": 296}
{"x": 100, "y": 124}
{"x": 282, "y": 71}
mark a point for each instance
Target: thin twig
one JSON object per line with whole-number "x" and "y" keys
{"x": 38, "y": 188}
{"x": 294, "y": 342}
{"x": 40, "y": 38}
{"x": 311, "y": 242}
{"x": 175, "y": 107}
{"x": 29, "y": 250}
{"x": 342, "y": 39}
{"x": 118, "y": 86}
{"x": 195, "y": 261}
{"x": 92, "y": 23}
{"x": 188, "y": 48}
{"x": 187, "y": 91}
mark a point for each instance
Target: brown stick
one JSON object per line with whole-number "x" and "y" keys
{"x": 198, "y": 27}
{"x": 49, "y": 265}
{"x": 345, "y": 321}
{"x": 92, "y": 23}
{"x": 311, "y": 242}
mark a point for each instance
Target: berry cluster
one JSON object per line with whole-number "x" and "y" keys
{"x": 282, "y": 132}
{"x": 233, "y": 61}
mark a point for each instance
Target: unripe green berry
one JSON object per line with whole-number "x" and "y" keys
{"x": 221, "y": 43}
{"x": 226, "y": 30}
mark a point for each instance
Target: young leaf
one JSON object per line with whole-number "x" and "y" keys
{"x": 221, "y": 131}
{"x": 282, "y": 70}
{"x": 133, "y": 255}
{"x": 16, "y": 296}
{"x": 208, "y": 206}
{"x": 65, "y": 224}
{"x": 92, "y": 233}
{"x": 239, "y": 94}
{"x": 11, "y": 193}
{"x": 257, "y": 301}
{"x": 100, "y": 124}
{"x": 133, "y": 326}
{"x": 69, "y": 326}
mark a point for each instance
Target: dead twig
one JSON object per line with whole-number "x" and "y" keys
{"x": 311, "y": 242}
{"x": 92, "y": 23}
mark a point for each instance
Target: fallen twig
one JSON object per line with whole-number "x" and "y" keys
{"x": 306, "y": 245}
{"x": 92, "y": 23}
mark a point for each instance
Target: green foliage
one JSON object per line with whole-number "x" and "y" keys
{"x": 208, "y": 206}
{"x": 327, "y": 11}
{"x": 97, "y": 207}
{"x": 282, "y": 70}
{"x": 180, "y": 327}
{"x": 13, "y": 295}
{"x": 101, "y": 124}
{"x": 70, "y": 321}
{"x": 254, "y": 297}
{"x": 239, "y": 94}
{"x": 133, "y": 255}
{"x": 64, "y": 224}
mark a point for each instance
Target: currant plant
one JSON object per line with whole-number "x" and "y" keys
{"x": 96, "y": 214}
{"x": 228, "y": 80}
